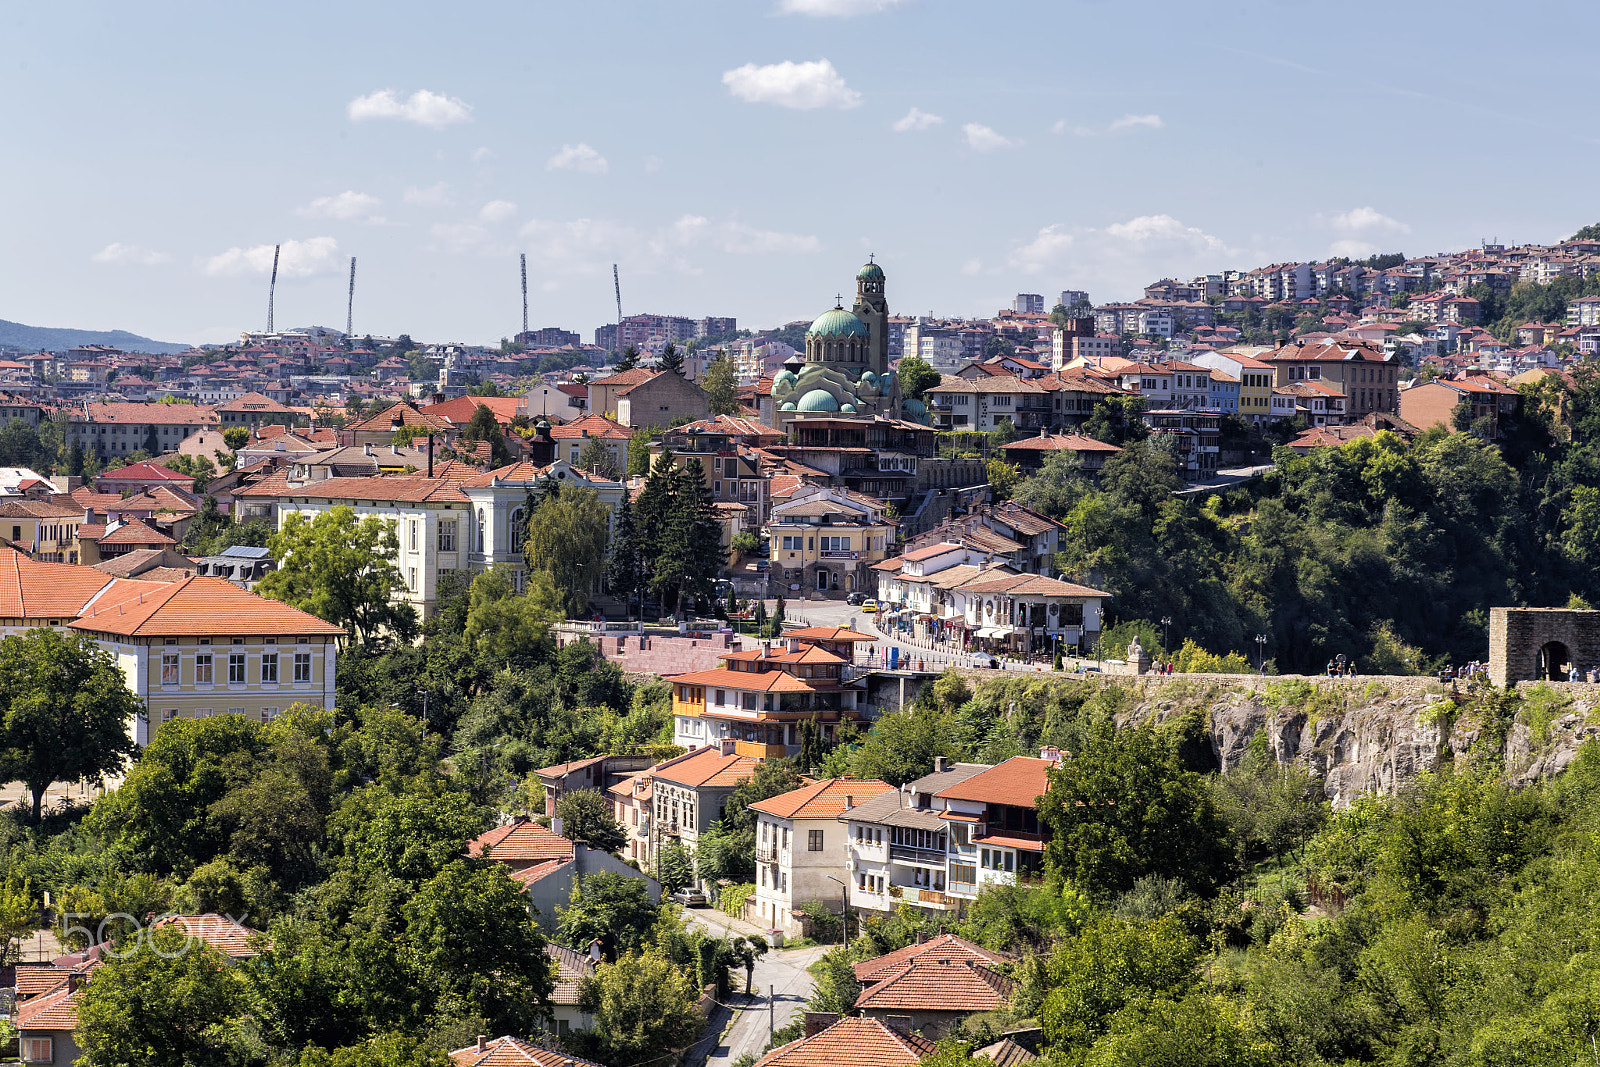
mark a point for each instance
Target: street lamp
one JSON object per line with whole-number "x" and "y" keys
{"x": 844, "y": 905}
{"x": 1261, "y": 653}
{"x": 1166, "y": 621}
{"x": 423, "y": 693}
{"x": 1340, "y": 659}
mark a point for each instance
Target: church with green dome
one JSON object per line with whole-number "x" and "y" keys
{"x": 846, "y": 365}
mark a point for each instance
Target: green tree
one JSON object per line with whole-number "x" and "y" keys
{"x": 65, "y": 711}
{"x": 916, "y": 376}
{"x": 902, "y": 745}
{"x": 505, "y": 628}
{"x": 341, "y": 568}
{"x": 586, "y": 816}
{"x": 610, "y": 908}
{"x": 566, "y": 538}
{"x": 236, "y": 437}
{"x": 384, "y": 1050}
{"x": 674, "y": 867}
{"x": 672, "y": 359}
{"x": 19, "y": 911}
{"x": 706, "y": 555}
{"x": 623, "y": 577}
{"x": 173, "y": 1002}
{"x": 720, "y": 386}
{"x": 596, "y": 457}
{"x": 1003, "y": 479}
{"x": 200, "y": 468}
{"x": 629, "y": 360}
{"x": 484, "y": 426}
{"x": 1124, "y": 808}
{"x": 745, "y": 951}
{"x": 643, "y": 1006}
{"x": 1110, "y": 964}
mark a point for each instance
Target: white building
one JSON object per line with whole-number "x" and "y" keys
{"x": 898, "y": 844}
{"x": 800, "y": 849}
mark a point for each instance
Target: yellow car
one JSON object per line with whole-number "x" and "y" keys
{"x": 869, "y": 606}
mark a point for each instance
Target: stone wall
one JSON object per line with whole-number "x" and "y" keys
{"x": 1517, "y": 636}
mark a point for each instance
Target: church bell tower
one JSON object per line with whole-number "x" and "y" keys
{"x": 873, "y": 309}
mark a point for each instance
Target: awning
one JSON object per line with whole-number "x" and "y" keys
{"x": 995, "y": 631}
{"x": 1025, "y": 842}
{"x": 958, "y": 816}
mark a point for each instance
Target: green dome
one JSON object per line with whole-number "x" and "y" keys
{"x": 847, "y": 409}
{"x": 787, "y": 405}
{"x": 869, "y": 273}
{"x": 818, "y": 400}
{"x": 837, "y": 323}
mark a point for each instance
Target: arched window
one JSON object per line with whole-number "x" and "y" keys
{"x": 482, "y": 544}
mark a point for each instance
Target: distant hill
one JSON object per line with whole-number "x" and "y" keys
{"x": 50, "y": 339}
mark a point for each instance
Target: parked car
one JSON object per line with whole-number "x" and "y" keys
{"x": 869, "y": 606}
{"x": 689, "y": 898}
{"x": 855, "y": 598}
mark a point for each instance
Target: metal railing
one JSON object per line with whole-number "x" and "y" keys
{"x": 912, "y": 854}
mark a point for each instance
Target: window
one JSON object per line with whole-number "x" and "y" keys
{"x": 721, "y": 696}
{"x": 302, "y": 666}
{"x": 168, "y": 714}
{"x": 269, "y": 669}
{"x": 39, "y": 1050}
{"x": 236, "y": 668}
{"x": 413, "y": 535}
{"x": 169, "y": 668}
{"x": 447, "y": 536}
{"x": 268, "y": 714}
{"x": 202, "y": 713}
{"x": 235, "y": 711}
{"x": 202, "y": 669}
{"x": 411, "y": 579}
{"x": 813, "y": 840}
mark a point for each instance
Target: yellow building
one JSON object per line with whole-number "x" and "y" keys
{"x": 827, "y": 539}
{"x": 46, "y": 531}
{"x": 193, "y": 648}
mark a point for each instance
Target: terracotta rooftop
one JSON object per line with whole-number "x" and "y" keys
{"x": 152, "y": 414}
{"x": 134, "y": 532}
{"x": 707, "y": 767}
{"x": 56, "y": 1010}
{"x": 572, "y": 967}
{"x": 230, "y": 938}
{"x": 409, "y": 416}
{"x": 521, "y": 842}
{"x": 200, "y": 605}
{"x": 746, "y": 681}
{"x": 145, "y": 471}
{"x": 830, "y": 633}
{"x": 943, "y": 947}
{"x": 852, "y": 1042}
{"x": 590, "y": 425}
{"x": 33, "y": 979}
{"x": 822, "y": 800}
{"x": 513, "y": 1052}
{"x": 1019, "y": 781}
{"x": 938, "y": 984}
{"x": 1059, "y": 442}
{"x": 627, "y": 379}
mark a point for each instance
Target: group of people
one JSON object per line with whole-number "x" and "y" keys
{"x": 1473, "y": 670}
{"x": 1342, "y": 668}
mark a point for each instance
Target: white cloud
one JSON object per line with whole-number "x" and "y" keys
{"x": 346, "y": 206}
{"x": 436, "y": 195}
{"x": 1119, "y": 259}
{"x": 483, "y": 155}
{"x": 497, "y": 211}
{"x": 981, "y": 138}
{"x": 972, "y": 267}
{"x": 802, "y": 86}
{"x": 590, "y": 246}
{"x": 652, "y": 164}
{"x": 457, "y": 237}
{"x": 117, "y": 252}
{"x": 917, "y": 120}
{"x": 579, "y": 157}
{"x": 423, "y": 107}
{"x": 298, "y": 259}
{"x": 1366, "y": 218}
{"x": 1135, "y": 122}
{"x": 738, "y": 239}
{"x": 1352, "y": 249}
{"x": 836, "y": 8}
{"x": 1126, "y": 122}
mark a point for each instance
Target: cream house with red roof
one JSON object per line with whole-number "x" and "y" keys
{"x": 689, "y": 793}
{"x": 800, "y": 849}
{"x": 513, "y": 1052}
{"x": 994, "y": 836}
{"x": 858, "y": 1042}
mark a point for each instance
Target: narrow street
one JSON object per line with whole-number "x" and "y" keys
{"x": 783, "y": 970}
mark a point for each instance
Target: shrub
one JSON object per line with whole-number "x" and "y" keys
{"x": 731, "y": 899}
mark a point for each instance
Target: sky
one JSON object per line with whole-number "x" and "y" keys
{"x": 744, "y": 157}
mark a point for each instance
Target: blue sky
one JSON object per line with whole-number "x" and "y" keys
{"x": 742, "y": 158}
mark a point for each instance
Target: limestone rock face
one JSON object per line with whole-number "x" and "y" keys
{"x": 1362, "y": 740}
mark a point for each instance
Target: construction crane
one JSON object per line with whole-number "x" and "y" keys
{"x": 617, "y": 283}
{"x": 350, "y": 305}
{"x": 272, "y": 287}
{"x": 524, "y": 292}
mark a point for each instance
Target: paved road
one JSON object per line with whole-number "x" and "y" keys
{"x": 782, "y": 969}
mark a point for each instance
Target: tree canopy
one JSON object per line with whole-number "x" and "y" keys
{"x": 341, "y": 568}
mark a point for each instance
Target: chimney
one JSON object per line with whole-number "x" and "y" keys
{"x": 1051, "y": 753}
{"x": 75, "y": 981}
{"x": 557, "y": 825}
{"x": 818, "y": 1021}
{"x": 394, "y": 449}
{"x": 922, "y": 936}
{"x": 849, "y": 802}
{"x": 727, "y": 746}
{"x": 766, "y": 650}
{"x": 483, "y": 1041}
{"x": 430, "y": 455}
{"x": 88, "y": 517}
{"x": 594, "y": 951}
{"x": 366, "y": 449}
{"x": 941, "y": 764}
{"x": 794, "y": 644}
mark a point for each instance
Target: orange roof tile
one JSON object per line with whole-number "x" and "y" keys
{"x": 145, "y": 471}
{"x": 134, "y": 532}
{"x": 938, "y": 985}
{"x": 707, "y": 767}
{"x": 746, "y": 681}
{"x": 33, "y": 979}
{"x": 830, "y": 633}
{"x": 822, "y": 800}
{"x": 152, "y": 414}
{"x": 572, "y": 967}
{"x": 228, "y": 937}
{"x": 854, "y": 1042}
{"x": 409, "y": 416}
{"x": 1019, "y": 781}
{"x": 57, "y": 1010}
{"x": 513, "y": 1052}
{"x": 199, "y": 605}
{"x": 590, "y": 425}
{"x": 521, "y": 841}
{"x": 943, "y": 947}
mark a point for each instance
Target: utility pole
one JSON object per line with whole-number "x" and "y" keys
{"x": 524, "y": 292}
{"x": 772, "y": 1013}
{"x": 350, "y": 304}
{"x": 616, "y": 282}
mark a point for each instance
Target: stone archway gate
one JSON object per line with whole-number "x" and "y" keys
{"x": 1518, "y": 638}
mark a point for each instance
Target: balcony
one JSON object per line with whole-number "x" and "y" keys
{"x": 933, "y": 897}
{"x": 962, "y": 889}
{"x": 759, "y": 750}
{"x": 926, "y": 857}
{"x": 767, "y": 854}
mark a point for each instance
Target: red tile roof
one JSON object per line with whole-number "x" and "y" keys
{"x": 522, "y": 841}
{"x": 199, "y": 605}
{"x": 590, "y": 425}
{"x": 1019, "y": 781}
{"x": 938, "y": 985}
{"x": 513, "y": 1052}
{"x": 33, "y": 979}
{"x": 145, "y": 471}
{"x": 230, "y": 938}
{"x": 57, "y": 1010}
{"x": 852, "y": 1042}
{"x": 1059, "y": 441}
{"x": 943, "y": 947}
{"x": 628, "y": 378}
{"x": 151, "y": 414}
{"x": 745, "y": 681}
{"x": 822, "y": 800}
{"x": 459, "y": 411}
{"x": 134, "y": 532}
{"x": 707, "y": 767}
